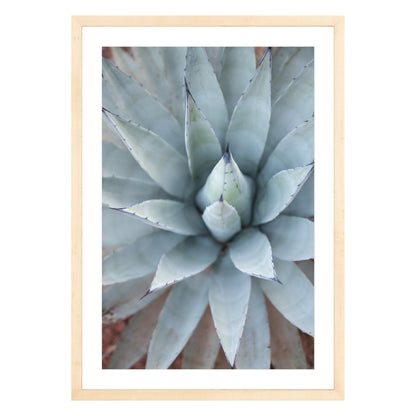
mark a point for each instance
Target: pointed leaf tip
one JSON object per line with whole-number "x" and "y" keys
{"x": 251, "y": 253}
{"x": 279, "y": 192}
{"x": 188, "y": 258}
{"x": 228, "y": 299}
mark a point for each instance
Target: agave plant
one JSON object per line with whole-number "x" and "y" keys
{"x": 208, "y": 209}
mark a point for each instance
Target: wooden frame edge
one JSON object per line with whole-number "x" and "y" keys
{"x": 78, "y": 393}
{"x": 76, "y": 208}
{"x": 203, "y": 394}
{"x": 339, "y": 203}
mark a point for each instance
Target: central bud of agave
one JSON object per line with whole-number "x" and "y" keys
{"x": 226, "y": 199}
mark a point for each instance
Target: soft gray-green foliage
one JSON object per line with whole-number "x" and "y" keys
{"x": 208, "y": 205}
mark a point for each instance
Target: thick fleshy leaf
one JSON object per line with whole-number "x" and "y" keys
{"x": 121, "y": 192}
{"x": 222, "y": 220}
{"x": 109, "y": 135}
{"x": 292, "y": 108}
{"x": 169, "y": 215}
{"x": 206, "y": 91}
{"x": 164, "y": 164}
{"x": 254, "y": 351}
{"x": 296, "y": 149}
{"x": 182, "y": 311}
{"x": 291, "y": 238}
{"x": 287, "y": 63}
{"x": 127, "y": 64}
{"x": 108, "y": 100}
{"x": 120, "y": 229}
{"x": 119, "y": 162}
{"x": 139, "y": 258}
{"x": 294, "y": 298}
{"x": 136, "y": 337}
{"x": 304, "y": 203}
{"x": 227, "y": 181}
{"x": 202, "y": 145}
{"x": 202, "y": 348}
{"x": 308, "y": 268}
{"x": 162, "y": 70}
{"x": 237, "y": 70}
{"x": 278, "y": 193}
{"x": 124, "y": 299}
{"x": 136, "y": 104}
{"x": 228, "y": 299}
{"x": 150, "y": 68}
{"x": 249, "y": 124}
{"x": 174, "y": 97}
{"x": 216, "y": 58}
{"x": 286, "y": 344}
{"x": 251, "y": 253}
{"x": 188, "y": 258}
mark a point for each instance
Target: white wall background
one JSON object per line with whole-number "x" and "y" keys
{"x": 35, "y": 208}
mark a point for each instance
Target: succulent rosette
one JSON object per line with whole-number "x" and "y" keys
{"x": 208, "y": 205}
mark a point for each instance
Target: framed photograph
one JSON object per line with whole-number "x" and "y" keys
{"x": 207, "y": 208}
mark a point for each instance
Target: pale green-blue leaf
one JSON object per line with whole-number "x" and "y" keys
{"x": 293, "y": 107}
{"x": 126, "y": 63}
{"x": 222, "y": 220}
{"x": 228, "y": 299}
{"x": 136, "y": 337}
{"x": 227, "y": 181}
{"x": 164, "y": 164}
{"x": 188, "y": 258}
{"x": 251, "y": 253}
{"x": 291, "y": 238}
{"x": 304, "y": 203}
{"x": 109, "y": 135}
{"x": 121, "y": 229}
{"x": 239, "y": 65}
{"x": 136, "y": 104}
{"x": 183, "y": 310}
{"x": 174, "y": 97}
{"x": 108, "y": 100}
{"x": 202, "y": 145}
{"x": 286, "y": 344}
{"x": 216, "y": 58}
{"x": 138, "y": 259}
{"x": 124, "y": 299}
{"x": 206, "y": 91}
{"x": 121, "y": 192}
{"x": 249, "y": 124}
{"x": 294, "y": 299}
{"x": 278, "y": 193}
{"x": 202, "y": 348}
{"x": 162, "y": 71}
{"x": 295, "y": 149}
{"x": 119, "y": 162}
{"x": 149, "y": 62}
{"x": 169, "y": 215}
{"x": 287, "y": 63}
{"x": 254, "y": 350}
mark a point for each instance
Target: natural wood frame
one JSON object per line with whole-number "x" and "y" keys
{"x": 337, "y": 23}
